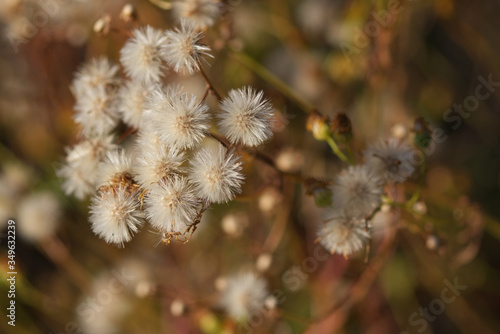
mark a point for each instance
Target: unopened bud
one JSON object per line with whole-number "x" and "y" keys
{"x": 177, "y": 308}
{"x": 422, "y": 133}
{"x": 318, "y": 125}
{"x": 263, "y": 262}
{"x": 102, "y": 25}
{"x": 128, "y": 13}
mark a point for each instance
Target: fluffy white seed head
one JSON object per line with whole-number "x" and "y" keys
{"x": 96, "y": 110}
{"x": 358, "y": 191}
{"x": 38, "y": 216}
{"x": 171, "y": 206}
{"x": 157, "y": 163}
{"x": 390, "y": 158}
{"x": 244, "y": 294}
{"x": 183, "y": 51}
{"x": 115, "y": 170}
{"x": 132, "y": 98}
{"x": 178, "y": 119}
{"x": 202, "y": 13}
{"x": 82, "y": 162}
{"x": 115, "y": 215}
{"x": 246, "y": 117}
{"x": 143, "y": 54}
{"x": 342, "y": 234}
{"x": 216, "y": 174}
{"x": 99, "y": 73}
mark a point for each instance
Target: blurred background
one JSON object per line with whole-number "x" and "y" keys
{"x": 383, "y": 63}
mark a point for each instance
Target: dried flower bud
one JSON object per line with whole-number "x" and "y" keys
{"x": 341, "y": 126}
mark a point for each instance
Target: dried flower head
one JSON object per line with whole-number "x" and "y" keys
{"x": 178, "y": 119}
{"x": 183, "y": 51}
{"x": 342, "y": 234}
{"x": 132, "y": 98}
{"x": 157, "y": 163}
{"x": 97, "y": 113}
{"x": 358, "y": 190}
{"x": 38, "y": 215}
{"x": 171, "y": 206}
{"x": 143, "y": 54}
{"x": 81, "y": 165}
{"x": 216, "y": 175}
{"x": 115, "y": 170}
{"x": 115, "y": 215}
{"x": 390, "y": 158}
{"x": 99, "y": 73}
{"x": 246, "y": 117}
{"x": 244, "y": 294}
{"x": 202, "y": 13}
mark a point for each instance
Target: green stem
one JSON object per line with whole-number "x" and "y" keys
{"x": 265, "y": 74}
{"x": 337, "y": 151}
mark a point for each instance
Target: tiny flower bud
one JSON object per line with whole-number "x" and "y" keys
{"x": 220, "y": 283}
{"x": 322, "y": 197}
{"x": 432, "y": 242}
{"x": 128, "y": 13}
{"x": 102, "y": 25}
{"x": 263, "y": 262}
{"x": 177, "y": 308}
{"x": 318, "y": 125}
{"x": 271, "y": 302}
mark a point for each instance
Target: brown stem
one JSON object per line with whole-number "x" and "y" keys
{"x": 209, "y": 83}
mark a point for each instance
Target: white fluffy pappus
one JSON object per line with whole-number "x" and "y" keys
{"x": 183, "y": 51}
{"x": 157, "y": 163}
{"x": 38, "y": 216}
{"x": 171, "y": 206}
{"x": 115, "y": 215}
{"x": 216, "y": 174}
{"x": 131, "y": 103}
{"x": 357, "y": 190}
{"x": 244, "y": 294}
{"x": 98, "y": 73}
{"x": 115, "y": 169}
{"x": 97, "y": 112}
{"x": 177, "y": 118}
{"x": 143, "y": 54}
{"x": 390, "y": 158}
{"x": 202, "y": 13}
{"x": 82, "y": 162}
{"x": 246, "y": 117}
{"x": 342, "y": 234}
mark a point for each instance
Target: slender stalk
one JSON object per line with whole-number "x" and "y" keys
{"x": 265, "y": 74}
{"x": 337, "y": 151}
{"x": 209, "y": 82}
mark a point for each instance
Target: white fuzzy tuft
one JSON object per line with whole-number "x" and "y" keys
{"x": 156, "y": 163}
{"x": 358, "y": 191}
{"x": 342, "y": 234}
{"x": 143, "y": 54}
{"x": 244, "y": 294}
{"x": 178, "y": 119}
{"x": 171, "y": 206}
{"x": 202, "y": 13}
{"x": 391, "y": 159}
{"x": 115, "y": 215}
{"x": 82, "y": 162}
{"x": 182, "y": 52}
{"x": 216, "y": 175}
{"x": 246, "y": 117}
